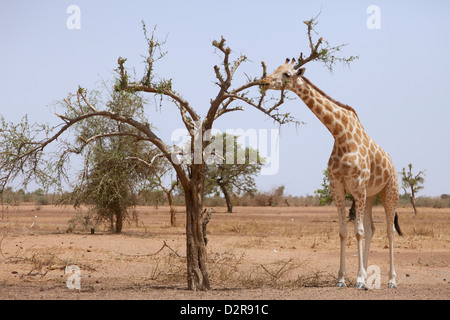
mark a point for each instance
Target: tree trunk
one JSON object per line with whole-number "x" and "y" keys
{"x": 413, "y": 200}
{"x": 173, "y": 210}
{"x": 197, "y": 271}
{"x": 227, "y": 198}
{"x": 119, "y": 222}
{"x": 111, "y": 221}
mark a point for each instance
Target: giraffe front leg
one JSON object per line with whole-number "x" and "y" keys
{"x": 343, "y": 237}
{"x": 360, "y": 200}
{"x": 338, "y": 193}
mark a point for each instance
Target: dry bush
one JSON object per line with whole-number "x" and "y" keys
{"x": 41, "y": 261}
{"x": 424, "y": 231}
{"x": 230, "y": 270}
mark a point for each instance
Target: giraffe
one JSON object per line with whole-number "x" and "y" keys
{"x": 357, "y": 165}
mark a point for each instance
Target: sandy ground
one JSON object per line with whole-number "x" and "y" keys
{"x": 254, "y": 254}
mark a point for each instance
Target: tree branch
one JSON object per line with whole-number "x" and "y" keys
{"x": 112, "y": 134}
{"x": 326, "y": 54}
{"x": 21, "y": 156}
{"x": 166, "y": 91}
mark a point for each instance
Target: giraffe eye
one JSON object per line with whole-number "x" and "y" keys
{"x": 286, "y": 74}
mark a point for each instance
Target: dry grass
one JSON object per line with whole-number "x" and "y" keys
{"x": 252, "y": 248}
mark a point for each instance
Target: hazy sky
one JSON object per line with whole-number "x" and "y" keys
{"x": 399, "y": 86}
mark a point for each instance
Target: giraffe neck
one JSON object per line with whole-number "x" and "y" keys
{"x": 336, "y": 117}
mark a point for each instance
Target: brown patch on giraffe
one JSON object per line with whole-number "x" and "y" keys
{"x": 379, "y": 171}
{"x": 350, "y": 127}
{"x": 337, "y": 115}
{"x": 341, "y": 139}
{"x": 364, "y": 165}
{"x": 335, "y": 165}
{"x": 378, "y": 181}
{"x": 310, "y": 103}
{"x": 363, "y": 151}
{"x": 327, "y": 120}
{"x": 337, "y": 129}
{"x": 345, "y": 122}
{"x": 319, "y": 109}
{"x": 352, "y": 147}
{"x": 345, "y": 168}
{"x": 327, "y": 104}
{"x": 349, "y": 158}
{"x": 386, "y": 175}
{"x": 366, "y": 143}
{"x": 349, "y": 136}
{"x": 378, "y": 157}
{"x": 366, "y": 136}
{"x": 355, "y": 172}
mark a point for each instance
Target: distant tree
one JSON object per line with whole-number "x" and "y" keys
{"x": 159, "y": 186}
{"x": 168, "y": 190}
{"x": 276, "y": 196}
{"x": 111, "y": 177}
{"x": 412, "y": 184}
{"x": 324, "y": 194}
{"x": 234, "y": 170}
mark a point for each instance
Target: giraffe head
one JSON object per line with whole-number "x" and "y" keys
{"x": 284, "y": 77}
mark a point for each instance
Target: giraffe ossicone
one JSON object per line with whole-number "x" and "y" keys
{"x": 357, "y": 165}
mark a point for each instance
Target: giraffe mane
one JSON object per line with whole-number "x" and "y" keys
{"x": 340, "y": 104}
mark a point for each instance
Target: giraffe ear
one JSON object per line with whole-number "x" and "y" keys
{"x": 301, "y": 72}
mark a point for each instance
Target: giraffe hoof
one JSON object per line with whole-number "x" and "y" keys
{"x": 361, "y": 285}
{"x": 340, "y": 285}
{"x": 392, "y": 286}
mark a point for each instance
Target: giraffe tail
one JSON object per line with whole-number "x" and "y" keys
{"x": 397, "y": 226}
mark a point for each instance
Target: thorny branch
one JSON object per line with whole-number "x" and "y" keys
{"x": 318, "y": 52}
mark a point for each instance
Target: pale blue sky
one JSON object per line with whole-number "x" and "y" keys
{"x": 399, "y": 86}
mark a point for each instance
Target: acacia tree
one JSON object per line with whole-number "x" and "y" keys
{"x": 236, "y": 176}
{"x": 111, "y": 178}
{"x": 22, "y": 145}
{"x": 412, "y": 184}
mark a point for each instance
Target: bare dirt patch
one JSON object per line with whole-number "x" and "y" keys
{"x": 255, "y": 253}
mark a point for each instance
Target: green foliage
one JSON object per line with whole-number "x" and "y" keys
{"x": 322, "y": 51}
{"x": 234, "y": 169}
{"x": 21, "y": 157}
{"x": 324, "y": 194}
{"x": 412, "y": 184}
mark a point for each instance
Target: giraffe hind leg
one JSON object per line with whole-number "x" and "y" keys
{"x": 389, "y": 197}
{"x": 369, "y": 228}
